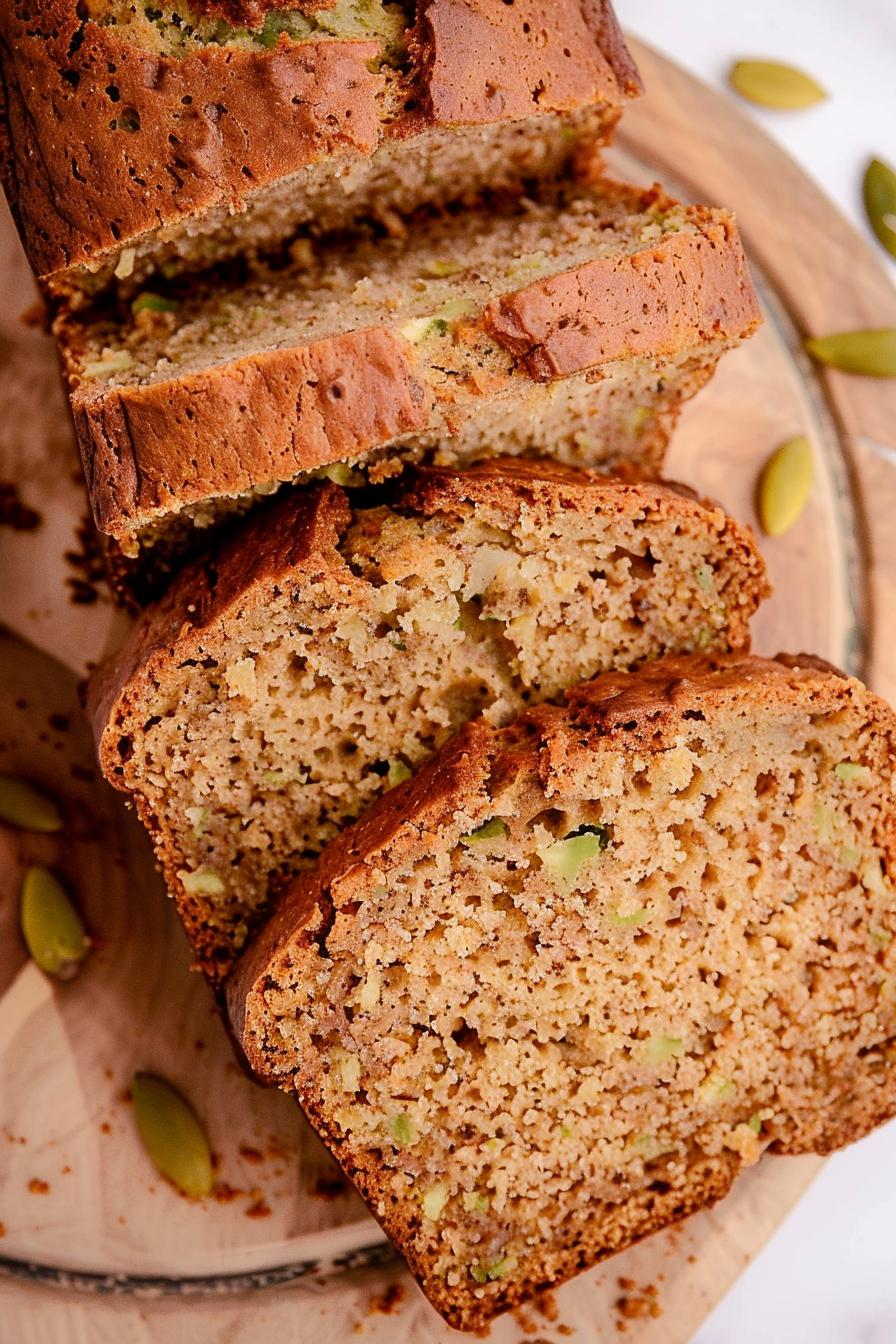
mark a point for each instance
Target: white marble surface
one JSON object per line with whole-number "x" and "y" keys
{"x": 829, "y": 1274}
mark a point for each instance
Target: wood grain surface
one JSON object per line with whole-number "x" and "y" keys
{"x": 835, "y": 582}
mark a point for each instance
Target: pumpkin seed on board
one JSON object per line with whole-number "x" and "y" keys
{"x": 784, "y": 486}
{"x": 25, "y": 806}
{"x": 772, "y": 84}
{"x": 870, "y": 353}
{"x": 51, "y": 926}
{"x": 879, "y": 191}
{"x": 172, "y": 1135}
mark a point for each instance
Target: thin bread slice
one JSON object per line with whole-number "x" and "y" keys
{"x": 325, "y": 651}
{"x": 572, "y": 326}
{"x": 556, "y": 991}
{"x": 162, "y": 136}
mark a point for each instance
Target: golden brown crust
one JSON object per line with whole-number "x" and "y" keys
{"x": 501, "y": 479}
{"x": 110, "y": 142}
{"x": 266, "y": 417}
{"x": 619, "y": 307}
{"x": 209, "y": 128}
{"x": 483, "y": 62}
{"x": 241, "y": 424}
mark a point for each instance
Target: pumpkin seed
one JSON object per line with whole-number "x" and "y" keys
{"x": 172, "y": 1135}
{"x": 398, "y": 773}
{"x": 493, "y": 829}
{"x": 879, "y": 190}
{"x": 871, "y": 353}
{"x": 111, "y": 361}
{"x": 25, "y": 806}
{"x": 784, "y": 486}
{"x": 772, "y": 84}
{"x": 51, "y": 926}
{"x": 153, "y": 303}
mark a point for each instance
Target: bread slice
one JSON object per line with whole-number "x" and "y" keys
{"x": 326, "y": 651}
{"x": 145, "y": 136}
{"x": 572, "y": 326}
{"x": 556, "y": 991}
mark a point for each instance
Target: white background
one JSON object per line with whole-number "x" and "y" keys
{"x": 829, "y": 1274}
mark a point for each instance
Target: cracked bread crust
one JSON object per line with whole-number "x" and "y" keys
{"x": 830, "y": 1083}
{"x": 109, "y": 143}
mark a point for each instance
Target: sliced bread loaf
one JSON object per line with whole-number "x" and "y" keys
{"x": 556, "y": 991}
{"x": 145, "y": 136}
{"x": 324, "y": 652}
{"x": 572, "y": 326}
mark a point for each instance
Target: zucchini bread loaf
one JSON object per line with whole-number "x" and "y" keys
{"x": 557, "y": 990}
{"x": 145, "y": 136}
{"x": 321, "y": 654}
{"x": 570, "y": 326}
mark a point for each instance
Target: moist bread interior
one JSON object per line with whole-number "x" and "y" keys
{"x": 271, "y": 726}
{"x": 598, "y": 984}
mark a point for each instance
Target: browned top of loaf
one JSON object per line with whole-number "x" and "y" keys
{"x": 482, "y": 61}
{"x": 302, "y": 532}
{"x": 211, "y": 128}
{"x": 547, "y": 744}
{"x": 270, "y": 415}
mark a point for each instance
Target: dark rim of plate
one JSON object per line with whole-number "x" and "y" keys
{"x": 154, "y": 1286}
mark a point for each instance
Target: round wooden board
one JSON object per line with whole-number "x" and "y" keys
{"x": 137, "y": 1005}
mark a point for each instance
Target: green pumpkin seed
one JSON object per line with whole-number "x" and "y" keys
{"x": 398, "y": 773}
{"x": 493, "y": 829}
{"x": 784, "y": 486}
{"x": 153, "y": 303}
{"x": 24, "y": 806}
{"x": 51, "y": 926}
{"x": 173, "y": 1136}
{"x": 879, "y": 190}
{"x": 772, "y": 84}
{"x": 870, "y": 353}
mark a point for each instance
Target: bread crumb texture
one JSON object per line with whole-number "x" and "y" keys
{"x": 175, "y": 28}
{"x": 571, "y": 326}
{"x": 159, "y": 135}
{"x": 587, "y": 967}
{"x": 318, "y": 659}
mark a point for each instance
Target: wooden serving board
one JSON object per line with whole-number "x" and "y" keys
{"x": 109, "y": 1252}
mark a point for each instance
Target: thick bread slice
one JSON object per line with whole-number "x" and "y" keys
{"x": 554, "y": 992}
{"x": 324, "y": 652}
{"x": 572, "y": 326}
{"x": 144, "y": 137}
